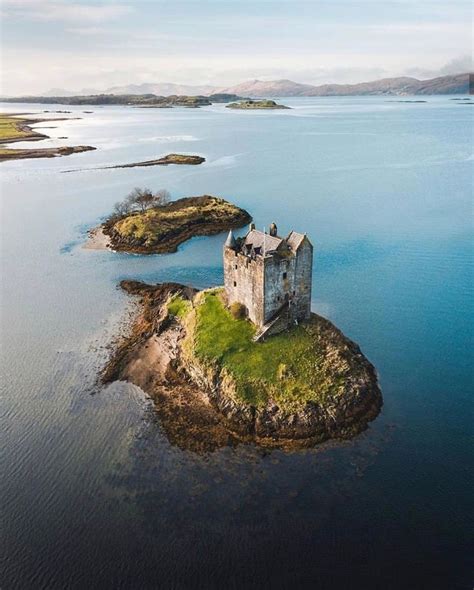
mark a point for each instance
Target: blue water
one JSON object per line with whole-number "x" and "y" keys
{"x": 93, "y": 494}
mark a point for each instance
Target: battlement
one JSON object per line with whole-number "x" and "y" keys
{"x": 266, "y": 273}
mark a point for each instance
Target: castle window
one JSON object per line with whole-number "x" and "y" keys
{"x": 285, "y": 275}
{"x": 235, "y": 266}
{"x": 235, "y": 284}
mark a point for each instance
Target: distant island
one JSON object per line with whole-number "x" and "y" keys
{"x": 14, "y": 129}
{"x": 138, "y": 100}
{"x": 148, "y": 223}
{"x": 256, "y": 104}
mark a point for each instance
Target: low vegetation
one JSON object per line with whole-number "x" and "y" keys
{"x": 291, "y": 368}
{"x": 179, "y": 307}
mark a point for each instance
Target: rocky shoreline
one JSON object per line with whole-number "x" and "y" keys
{"x": 194, "y": 401}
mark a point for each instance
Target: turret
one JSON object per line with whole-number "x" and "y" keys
{"x": 230, "y": 242}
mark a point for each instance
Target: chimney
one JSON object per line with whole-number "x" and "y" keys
{"x": 273, "y": 229}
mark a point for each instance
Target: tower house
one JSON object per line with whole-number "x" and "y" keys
{"x": 269, "y": 275}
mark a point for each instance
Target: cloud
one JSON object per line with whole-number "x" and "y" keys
{"x": 88, "y": 31}
{"x": 63, "y": 11}
{"x": 457, "y": 65}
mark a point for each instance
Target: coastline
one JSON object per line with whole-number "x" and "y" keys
{"x": 20, "y": 130}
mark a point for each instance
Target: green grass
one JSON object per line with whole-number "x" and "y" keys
{"x": 291, "y": 368}
{"x": 178, "y": 307}
{"x": 9, "y": 128}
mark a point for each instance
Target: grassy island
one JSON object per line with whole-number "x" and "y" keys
{"x": 214, "y": 385}
{"x": 14, "y": 129}
{"x": 256, "y": 104}
{"x": 162, "y": 228}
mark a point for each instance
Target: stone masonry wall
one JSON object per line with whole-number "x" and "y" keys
{"x": 302, "y": 281}
{"x": 279, "y": 273}
{"x": 243, "y": 282}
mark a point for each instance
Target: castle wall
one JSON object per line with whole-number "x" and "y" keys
{"x": 302, "y": 281}
{"x": 243, "y": 282}
{"x": 278, "y": 287}
{"x": 264, "y": 285}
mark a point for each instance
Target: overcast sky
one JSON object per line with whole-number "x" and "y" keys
{"x": 77, "y": 44}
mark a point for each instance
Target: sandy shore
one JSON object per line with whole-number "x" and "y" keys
{"x": 97, "y": 240}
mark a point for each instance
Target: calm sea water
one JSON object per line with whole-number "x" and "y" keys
{"x": 92, "y": 493}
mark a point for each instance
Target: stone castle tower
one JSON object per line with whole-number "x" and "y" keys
{"x": 270, "y": 276}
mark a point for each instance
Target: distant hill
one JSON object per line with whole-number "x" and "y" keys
{"x": 259, "y": 88}
{"x": 454, "y": 84}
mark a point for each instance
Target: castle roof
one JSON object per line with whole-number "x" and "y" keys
{"x": 255, "y": 239}
{"x": 294, "y": 240}
{"x": 230, "y": 242}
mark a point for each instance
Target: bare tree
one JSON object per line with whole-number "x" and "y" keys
{"x": 140, "y": 198}
{"x": 121, "y": 208}
{"x": 161, "y": 197}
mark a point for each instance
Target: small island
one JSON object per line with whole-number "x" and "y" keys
{"x": 248, "y": 362}
{"x": 14, "y": 129}
{"x": 148, "y": 223}
{"x": 250, "y": 104}
{"x": 179, "y": 159}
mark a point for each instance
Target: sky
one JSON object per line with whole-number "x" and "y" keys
{"x": 93, "y": 44}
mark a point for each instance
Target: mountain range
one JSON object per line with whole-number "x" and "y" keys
{"x": 452, "y": 84}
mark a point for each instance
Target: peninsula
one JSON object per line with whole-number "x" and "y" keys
{"x": 147, "y": 223}
{"x": 179, "y": 159}
{"x": 247, "y": 361}
{"x": 14, "y": 129}
{"x": 256, "y": 104}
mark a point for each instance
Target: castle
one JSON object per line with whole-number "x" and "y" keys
{"x": 270, "y": 277}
